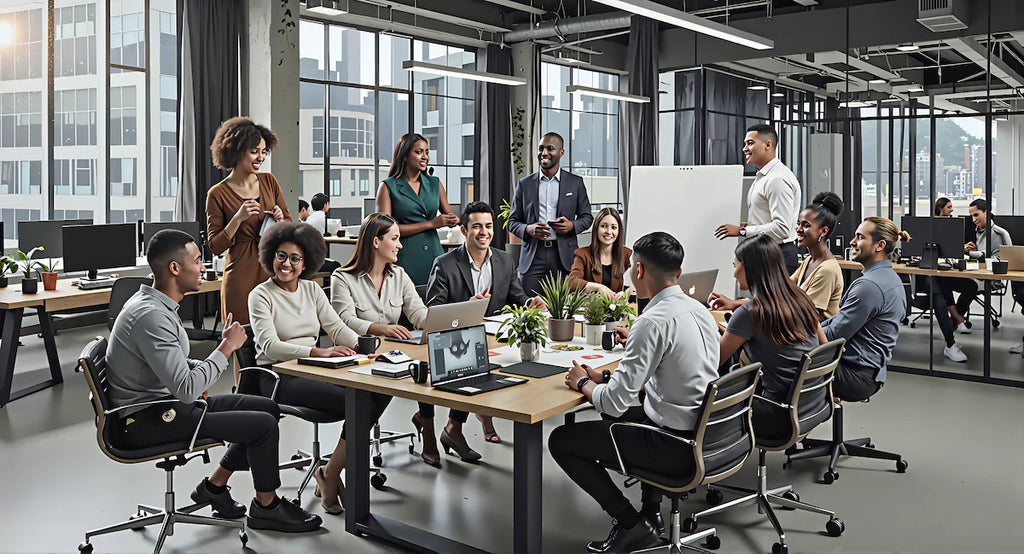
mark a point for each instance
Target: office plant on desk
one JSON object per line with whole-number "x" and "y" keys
{"x": 29, "y": 284}
{"x": 525, "y": 328}
{"x": 49, "y": 271}
{"x": 7, "y": 265}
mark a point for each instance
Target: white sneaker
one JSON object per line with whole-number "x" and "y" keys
{"x": 1017, "y": 348}
{"x": 963, "y": 328}
{"x": 954, "y": 353}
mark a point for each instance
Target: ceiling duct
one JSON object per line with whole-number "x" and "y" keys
{"x": 565, "y": 27}
{"x": 943, "y": 15}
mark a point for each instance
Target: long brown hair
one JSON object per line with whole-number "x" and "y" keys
{"x": 402, "y": 149}
{"x": 618, "y": 263}
{"x": 779, "y": 308}
{"x": 374, "y": 225}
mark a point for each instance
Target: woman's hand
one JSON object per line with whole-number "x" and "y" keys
{"x": 332, "y": 352}
{"x": 278, "y": 214}
{"x": 444, "y": 220}
{"x": 723, "y": 303}
{"x": 607, "y": 292}
{"x": 397, "y": 332}
{"x": 248, "y": 209}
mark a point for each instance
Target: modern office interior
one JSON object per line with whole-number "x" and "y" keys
{"x": 107, "y": 108}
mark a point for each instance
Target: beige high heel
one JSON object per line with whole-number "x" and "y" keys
{"x": 329, "y": 499}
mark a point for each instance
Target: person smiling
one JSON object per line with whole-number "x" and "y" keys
{"x": 600, "y": 267}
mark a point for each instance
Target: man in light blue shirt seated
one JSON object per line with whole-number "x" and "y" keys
{"x": 671, "y": 356}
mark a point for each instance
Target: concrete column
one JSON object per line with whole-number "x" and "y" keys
{"x": 270, "y": 84}
{"x": 527, "y": 98}
{"x": 1009, "y": 161}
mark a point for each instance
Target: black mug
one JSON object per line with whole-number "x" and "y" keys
{"x": 1000, "y": 267}
{"x": 608, "y": 340}
{"x": 368, "y": 344}
{"x": 211, "y": 274}
{"x": 419, "y": 371}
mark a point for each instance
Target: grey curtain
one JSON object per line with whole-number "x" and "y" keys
{"x": 207, "y": 95}
{"x": 638, "y": 123}
{"x": 492, "y": 149}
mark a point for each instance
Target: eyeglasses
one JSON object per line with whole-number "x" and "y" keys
{"x": 295, "y": 259}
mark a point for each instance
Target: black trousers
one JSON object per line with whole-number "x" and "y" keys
{"x": 545, "y": 261}
{"x": 247, "y": 423}
{"x": 584, "y": 450}
{"x": 967, "y": 288}
{"x": 789, "y": 256}
{"x": 324, "y": 397}
{"x": 427, "y": 412}
{"x": 854, "y": 384}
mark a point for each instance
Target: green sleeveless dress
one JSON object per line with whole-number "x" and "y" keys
{"x": 419, "y": 250}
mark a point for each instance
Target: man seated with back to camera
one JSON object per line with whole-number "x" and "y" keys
{"x": 671, "y": 356}
{"x": 474, "y": 271}
{"x": 148, "y": 360}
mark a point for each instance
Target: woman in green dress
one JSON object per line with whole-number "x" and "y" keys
{"x": 414, "y": 199}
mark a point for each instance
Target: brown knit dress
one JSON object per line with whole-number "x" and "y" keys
{"x": 242, "y": 270}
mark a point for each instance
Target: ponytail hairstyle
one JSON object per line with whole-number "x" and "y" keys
{"x": 826, "y": 208}
{"x": 779, "y": 309}
{"x": 885, "y": 229}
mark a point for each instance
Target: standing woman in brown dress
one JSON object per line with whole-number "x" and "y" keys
{"x": 237, "y": 206}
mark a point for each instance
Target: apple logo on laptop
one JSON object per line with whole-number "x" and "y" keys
{"x": 693, "y": 289}
{"x": 455, "y": 324}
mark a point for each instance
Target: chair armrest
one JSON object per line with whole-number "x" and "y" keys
{"x": 269, "y": 372}
{"x": 615, "y": 444}
{"x": 195, "y": 433}
{"x": 782, "y": 405}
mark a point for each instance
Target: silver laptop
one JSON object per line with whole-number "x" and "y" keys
{"x": 448, "y": 316}
{"x": 1014, "y": 255}
{"x": 699, "y": 284}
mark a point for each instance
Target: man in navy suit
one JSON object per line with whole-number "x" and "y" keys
{"x": 549, "y": 209}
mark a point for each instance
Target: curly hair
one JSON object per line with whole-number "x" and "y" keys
{"x": 235, "y": 136}
{"x": 306, "y": 237}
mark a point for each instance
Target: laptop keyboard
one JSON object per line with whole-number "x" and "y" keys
{"x": 475, "y": 380}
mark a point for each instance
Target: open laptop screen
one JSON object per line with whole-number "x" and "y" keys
{"x": 455, "y": 353}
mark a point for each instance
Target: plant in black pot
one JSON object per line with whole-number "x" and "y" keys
{"x": 563, "y": 302}
{"x": 29, "y": 284}
{"x": 7, "y": 266}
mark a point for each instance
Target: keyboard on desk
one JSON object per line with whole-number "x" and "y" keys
{"x": 97, "y": 284}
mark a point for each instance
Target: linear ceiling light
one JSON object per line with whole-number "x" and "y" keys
{"x": 604, "y": 93}
{"x": 877, "y": 81}
{"x": 659, "y": 12}
{"x": 856, "y": 104}
{"x": 435, "y": 69}
{"x": 757, "y": 87}
{"x": 907, "y": 47}
{"x": 325, "y": 7}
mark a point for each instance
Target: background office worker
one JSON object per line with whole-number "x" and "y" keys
{"x": 549, "y": 208}
{"x": 968, "y": 289}
{"x": 671, "y": 354}
{"x": 414, "y": 199}
{"x": 320, "y": 203}
{"x": 303, "y": 210}
{"x": 148, "y": 360}
{"x": 601, "y": 266}
{"x": 773, "y": 201}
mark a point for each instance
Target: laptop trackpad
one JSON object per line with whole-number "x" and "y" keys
{"x": 470, "y": 390}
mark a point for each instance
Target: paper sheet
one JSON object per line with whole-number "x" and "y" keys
{"x": 592, "y": 355}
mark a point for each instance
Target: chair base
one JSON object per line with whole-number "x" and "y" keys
{"x": 677, "y": 543}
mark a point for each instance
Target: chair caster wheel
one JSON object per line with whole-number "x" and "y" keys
{"x": 378, "y": 480}
{"x": 243, "y": 537}
{"x": 835, "y": 527}
{"x": 713, "y": 543}
{"x": 780, "y": 548}
{"x": 901, "y": 466}
{"x": 830, "y": 477}
{"x": 790, "y": 495}
{"x": 412, "y": 449}
{"x": 995, "y": 323}
{"x": 689, "y": 525}
{"x": 714, "y": 497}
{"x": 85, "y": 548}
{"x": 378, "y": 460}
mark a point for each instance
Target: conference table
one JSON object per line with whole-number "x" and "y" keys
{"x": 981, "y": 274}
{"x": 526, "y": 405}
{"x": 45, "y": 302}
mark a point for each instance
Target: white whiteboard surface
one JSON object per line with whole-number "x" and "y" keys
{"x": 689, "y": 203}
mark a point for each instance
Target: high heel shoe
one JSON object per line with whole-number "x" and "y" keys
{"x": 329, "y": 495}
{"x": 466, "y": 454}
{"x": 429, "y": 458}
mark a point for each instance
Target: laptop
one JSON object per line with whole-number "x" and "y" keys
{"x": 1014, "y": 255}
{"x": 699, "y": 284}
{"x": 458, "y": 362}
{"x": 448, "y": 316}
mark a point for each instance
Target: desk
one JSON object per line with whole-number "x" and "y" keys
{"x": 979, "y": 274}
{"x": 526, "y": 405}
{"x": 12, "y": 308}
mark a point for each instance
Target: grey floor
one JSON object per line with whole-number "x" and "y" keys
{"x": 963, "y": 492}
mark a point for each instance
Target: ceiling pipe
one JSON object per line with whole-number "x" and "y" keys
{"x": 564, "y": 27}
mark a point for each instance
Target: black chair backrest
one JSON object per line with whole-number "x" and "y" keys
{"x": 810, "y": 394}
{"x": 723, "y": 435}
{"x": 247, "y": 352}
{"x": 123, "y": 289}
{"x": 93, "y": 363}
{"x": 422, "y": 291}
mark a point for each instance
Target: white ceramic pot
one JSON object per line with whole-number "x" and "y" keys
{"x": 593, "y": 333}
{"x": 611, "y": 325}
{"x": 529, "y": 351}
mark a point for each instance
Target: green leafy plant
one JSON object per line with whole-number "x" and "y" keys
{"x": 7, "y": 266}
{"x": 518, "y": 141}
{"x": 49, "y": 266}
{"x": 25, "y": 261}
{"x": 525, "y": 326}
{"x": 595, "y": 308}
{"x": 505, "y": 213}
{"x": 618, "y": 309}
{"x": 562, "y": 299}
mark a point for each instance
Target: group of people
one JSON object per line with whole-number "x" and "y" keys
{"x": 672, "y": 351}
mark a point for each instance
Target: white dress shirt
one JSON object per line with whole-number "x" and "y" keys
{"x": 481, "y": 276}
{"x": 672, "y": 353}
{"x": 773, "y": 203}
{"x": 547, "y": 197}
{"x": 318, "y": 219}
{"x": 355, "y": 299}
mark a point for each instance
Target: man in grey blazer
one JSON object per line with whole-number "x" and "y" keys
{"x": 549, "y": 209}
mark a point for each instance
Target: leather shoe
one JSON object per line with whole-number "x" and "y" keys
{"x": 656, "y": 521}
{"x": 285, "y": 517}
{"x": 223, "y": 505}
{"x": 622, "y": 540}
{"x": 466, "y": 454}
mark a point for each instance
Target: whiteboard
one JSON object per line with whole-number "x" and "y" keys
{"x": 689, "y": 202}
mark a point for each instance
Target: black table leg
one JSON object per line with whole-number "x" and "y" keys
{"x": 10, "y": 330}
{"x": 50, "y": 344}
{"x": 527, "y": 487}
{"x": 357, "y": 458}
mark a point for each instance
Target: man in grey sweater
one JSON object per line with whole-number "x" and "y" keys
{"x": 148, "y": 360}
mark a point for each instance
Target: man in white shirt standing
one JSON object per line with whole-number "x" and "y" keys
{"x": 671, "y": 355}
{"x": 319, "y": 205}
{"x": 773, "y": 203}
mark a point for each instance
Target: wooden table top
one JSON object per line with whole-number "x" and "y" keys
{"x": 982, "y": 274}
{"x": 68, "y": 296}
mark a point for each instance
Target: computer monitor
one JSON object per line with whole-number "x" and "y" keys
{"x": 1014, "y": 224}
{"x": 946, "y": 232}
{"x": 94, "y": 247}
{"x": 46, "y": 233}
{"x": 369, "y": 207}
{"x": 150, "y": 228}
{"x": 347, "y": 216}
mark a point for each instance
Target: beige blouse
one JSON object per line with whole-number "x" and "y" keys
{"x": 355, "y": 299}
{"x": 824, "y": 285}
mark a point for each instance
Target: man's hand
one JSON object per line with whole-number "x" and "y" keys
{"x": 485, "y": 294}
{"x": 621, "y": 334}
{"x": 727, "y": 230}
{"x": 970, "y": 247}
{"x": 397, "y": 332}
{"x": 233, "y": 336}
{"x": 575, "y": 373}
{"x": 537, "y": 302}
{"x": 538, "y": 231}
{"x": 563, "y": 226}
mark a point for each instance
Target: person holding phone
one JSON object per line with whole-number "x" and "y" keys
{"x": 549, "y": 209}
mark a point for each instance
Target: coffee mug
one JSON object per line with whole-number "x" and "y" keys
{"x": 211, "y": 275}
{"x": 608, "y": 340}
{"x": 1000, "y": 267}
{"x": 341, "y": 232}
{"x": 419, "y": 371}
{"x": 368, "y": 344}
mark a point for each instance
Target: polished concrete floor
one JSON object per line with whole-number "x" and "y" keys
{"x": 963, "y": 492}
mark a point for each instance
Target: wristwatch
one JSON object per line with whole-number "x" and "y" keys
{"x": 583, "y": 381}
{"x": 743, "y": 231}
{"x": 605, "y": 375}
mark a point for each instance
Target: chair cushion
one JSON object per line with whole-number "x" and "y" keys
{"x": 159, "y": 451}
{"x": 309, "y": 414}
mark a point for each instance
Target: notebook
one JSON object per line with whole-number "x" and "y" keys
{"x": 332, "y": 363}
{"x": 459, "y": 362}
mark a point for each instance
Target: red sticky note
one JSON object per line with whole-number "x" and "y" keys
{"x": 592, "y": 356}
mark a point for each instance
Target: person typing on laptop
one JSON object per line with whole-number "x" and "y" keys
{"x": 672, "y": 353}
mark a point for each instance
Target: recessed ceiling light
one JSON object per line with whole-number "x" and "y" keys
{"x": 907, "y": 47}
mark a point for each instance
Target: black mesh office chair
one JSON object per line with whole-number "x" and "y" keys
{"x": 123, "y": 289}
{"x": 810, "y": 403}
{"x": 93, "y": 363}
{"x": 722, "y": 442}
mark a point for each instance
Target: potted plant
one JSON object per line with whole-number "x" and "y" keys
{"x": 563, "y": 302}
{"x": 7, "y": 265}
{"x": 29, "y": 284}
{"x": 618, "y": 312}
{"x": 595, "y": 310}
{"x": 525, "y": 328}
{"x": 49, "y": 271}
{"x": 514, "y": 244}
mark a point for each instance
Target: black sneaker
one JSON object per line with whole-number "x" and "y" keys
{"x": 223, "y": 505}
{"x": 286, "y": 517}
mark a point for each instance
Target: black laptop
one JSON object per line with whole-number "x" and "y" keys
{"x": 458, "y": 362}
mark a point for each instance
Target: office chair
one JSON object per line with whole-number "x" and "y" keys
{"x": 998, "y": 288}
{"x": 721, "y": 443}
{"x": 123, "y": 289}
{"x": 810, "y": 403}
{"x": 93, "y": 363}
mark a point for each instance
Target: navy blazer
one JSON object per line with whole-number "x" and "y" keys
{"x": 451, "y": 280}
{"x": 573, "y": 203}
